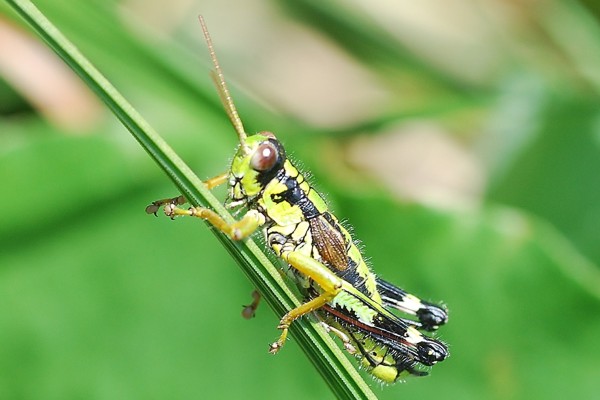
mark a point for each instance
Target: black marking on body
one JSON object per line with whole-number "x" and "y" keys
{"x": 352, "y": 276}
{"x": 430, "y": 315}
{"x": 296, "y": 196}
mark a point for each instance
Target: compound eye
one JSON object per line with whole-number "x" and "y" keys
{"x": 265, "y": 157}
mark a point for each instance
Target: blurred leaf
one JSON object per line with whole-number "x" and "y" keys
{"x": 364, "y": 39}
{"x": 556, "y": 176}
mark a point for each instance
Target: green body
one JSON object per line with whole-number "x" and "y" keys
{"x": 318, "y": 254}
{"x": 296, "y": 220}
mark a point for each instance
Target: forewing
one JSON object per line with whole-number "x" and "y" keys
{"x": 330, "y": 243}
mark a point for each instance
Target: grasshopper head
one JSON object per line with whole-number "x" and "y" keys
{"x": 258, "y": 160}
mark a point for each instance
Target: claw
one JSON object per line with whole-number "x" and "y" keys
{"x": 249, "y": 311}
{"x": 152, "y": 209}
{"x": 275, "y": 347}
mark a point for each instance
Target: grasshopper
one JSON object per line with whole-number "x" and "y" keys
{"x": 318, "y": 254}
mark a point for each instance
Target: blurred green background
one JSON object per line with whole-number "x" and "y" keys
{"x": 460, "y": 140}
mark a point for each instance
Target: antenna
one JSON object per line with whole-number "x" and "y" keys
{"x": 219, "y": 80}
